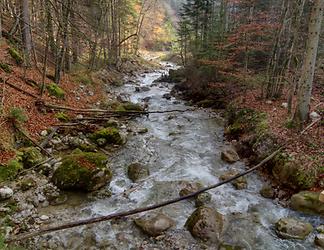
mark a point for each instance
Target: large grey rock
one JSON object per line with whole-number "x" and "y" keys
{"x": 155, "y": 225}
{"x": 206, "y": 223}
{"x": 290, "y": 228}
{"x": 230, "y": 155}
{"x": 308, "y": 202}
{"x": 5, "y": 193}
{"x": 137, "y": 171}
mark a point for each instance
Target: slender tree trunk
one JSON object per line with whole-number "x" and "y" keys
{"x": 308, "y": 69}
{"x": 1, "y": 2}
{"x": 26, "y": 35}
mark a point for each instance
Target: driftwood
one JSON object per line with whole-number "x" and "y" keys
{"x": 138, "y": 210}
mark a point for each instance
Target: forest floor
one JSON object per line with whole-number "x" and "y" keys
{"x": 81, "y": 90}
{"x": 305, "y": 146}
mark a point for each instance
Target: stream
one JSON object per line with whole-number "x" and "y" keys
{"x": 178, "y": 147}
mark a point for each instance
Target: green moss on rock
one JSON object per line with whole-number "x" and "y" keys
{"x": 54, "y": 90}
{"x": 111, "y": 136}
{"x": 241, "y": 121}
{"x": 291, "y": 174}
{"x": 83, "y": 172}
{"x": 307, "y": 202}
{"x": 30, "y": 156}
{"x": 16, "y": 56}
{"x": 129, "y": 106}
{"x": 10, "y": 171}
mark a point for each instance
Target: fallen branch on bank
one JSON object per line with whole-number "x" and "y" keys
{"x": 138, "y": 210}
{"x": 18, "y": 89}
{"x": 33, "y": 141}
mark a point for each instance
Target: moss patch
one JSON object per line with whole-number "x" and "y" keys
{"x": 129, "y": 106}
{"x": 10, "y": 171}
{"x": 54, "y": 90}
{"x": 110, "y": 135}
{"x": 63, "y": 117}
{"x": 16, "y": 56}
{"x": 31, "y": 156}
{"x": 82, "y": 171}
{"x": 5, "y": 67}
{"x": 241, "y": 121}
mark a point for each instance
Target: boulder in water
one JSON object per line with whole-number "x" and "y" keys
{"x": 155, "y": 225}
{"x": 230, "y": 155}
{"x": 167, "y": 96}
{"x": 206, "y": 223}
{"x": 203, "y": 199}
{"x": 189, "y": 188}
{"x": 267, "y": 192}
{"x": 308, "y": 202}
{"x": 239, "y": 183}
{"x": 290, "y": 228}
{"x": 137, "y": 171}
{"x": 82, "y": 171}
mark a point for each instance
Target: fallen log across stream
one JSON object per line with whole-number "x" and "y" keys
{"x": 118, "y": 215}
{"x": 108, "y": 112}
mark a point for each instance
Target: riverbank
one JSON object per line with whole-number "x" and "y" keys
{"x": 257, "y": 127}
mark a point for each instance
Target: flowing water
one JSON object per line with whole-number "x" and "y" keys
{"x": 178, "y": 147}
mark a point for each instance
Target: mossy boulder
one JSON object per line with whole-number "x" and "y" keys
{"x": 290, "y": 228}
{"x": 307, "y": 202}
{"x": 16, "y": 56}
{"x": 54, "y": 90}
{"x": 155, "y": 225}
{"x": 110, "y": 136}
{"x": 82, "y": 171}
{"x": 291, "y": 174}
{"x": 137, "y": 171}
{"x": 206, "y": 224}
{"x": 129, "y": 106}
{"x": 10, "y": 170}
{"x": 31, "y": 156}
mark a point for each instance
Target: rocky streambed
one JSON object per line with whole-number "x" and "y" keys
{"x": 167, "y": 155}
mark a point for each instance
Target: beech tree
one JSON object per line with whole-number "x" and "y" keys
{"x": 308, "y": 69}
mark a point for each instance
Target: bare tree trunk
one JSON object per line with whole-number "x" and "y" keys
{"x": 1, "y": 18}
{"x": 308, "y": 69}
{"x": 26, "y": 35}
